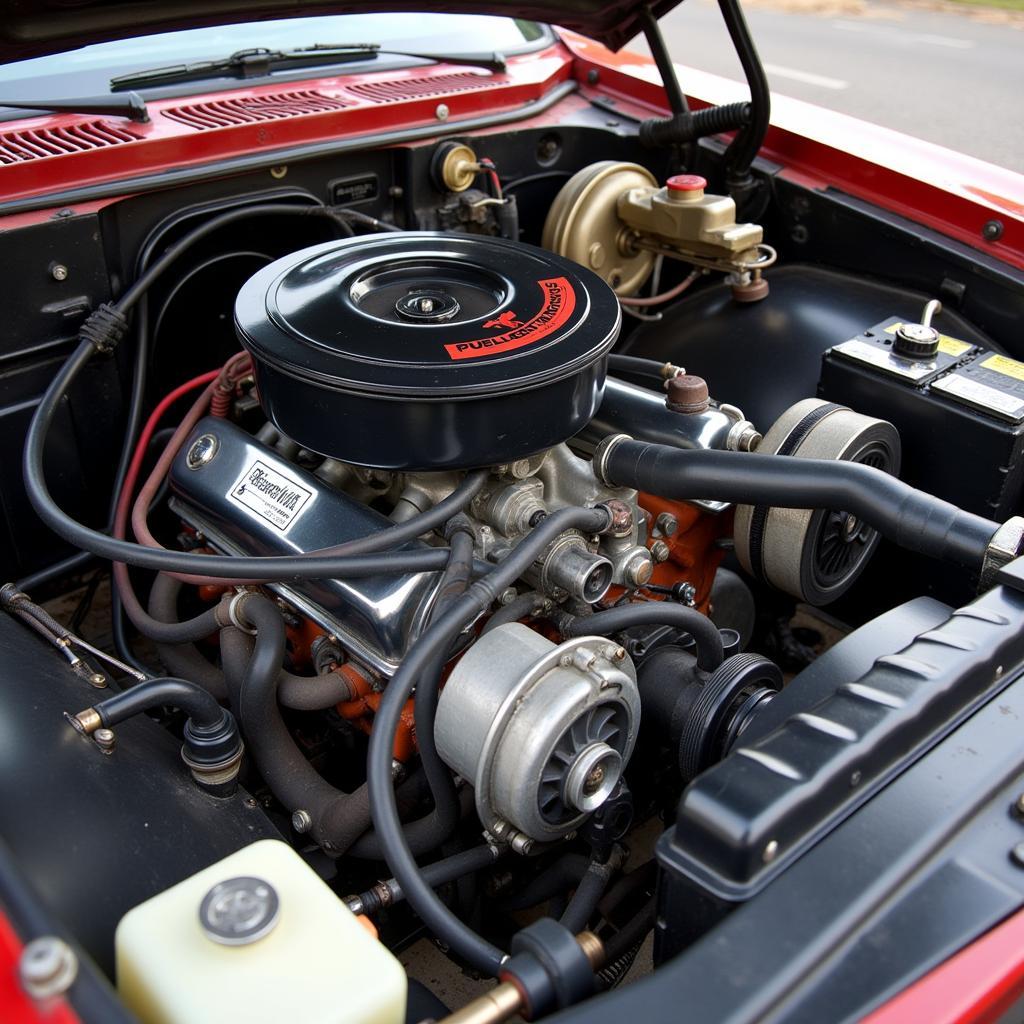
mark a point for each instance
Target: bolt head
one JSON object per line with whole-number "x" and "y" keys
{"x": 105, "y": 738}
{"x": 660, "y": 551}
{"x": 442, "y": 112}
{"x": 1017, "y": 855}
{"x": 1018, "y": 805}
{"x": 48, "y": 967}
{"x": 302, "y": 821}
{"x": 203, "y": 451}
{"x": 992, "y": 231}
{"x": 667, "y": 524}
{"x": 771, "y": 851}
{"x": 59, "y": 272}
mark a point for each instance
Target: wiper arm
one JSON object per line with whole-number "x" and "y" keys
{"x": 259, "y": 62}
{"x": 130, "y": 105}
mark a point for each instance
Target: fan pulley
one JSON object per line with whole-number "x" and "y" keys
{"x": 815, "y": 554}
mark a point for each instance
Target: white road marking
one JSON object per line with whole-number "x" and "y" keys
{"x": 901, "y": 38}
{"x": 807, "y": 77}
{"x": 950, "y": 41}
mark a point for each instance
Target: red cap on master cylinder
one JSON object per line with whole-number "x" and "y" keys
{"x": 686, "y": 186}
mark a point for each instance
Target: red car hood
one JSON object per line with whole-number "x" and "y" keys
{"x": 29, "y": 28}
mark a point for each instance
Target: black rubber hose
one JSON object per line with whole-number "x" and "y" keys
{"x": 683, "y": 128}
{"x": 167, "y": 691}
{"x": 912, "y": 519}
{"x": 424, "y": 835}
{"x": 745, "y": 147}
{"x": 140, "y": 370}
{"x": 518, "y": 608}
{"x": 633, "y": 932}
{"x": 312, "y": 565}
{"x": 338, "y": 819}
{"x": 162, "y": 624}
{"x": 185, "y": 660}
{"x": 588, "y": 894}
{"x": 441, "y": 872}
{"x": 299, "y": 693}
{"x": 423, "y": 522}
{"x": 41, "y": 577}
{"x": 442, "y": 820}
{"x": 637, "y": 365}
{"x": 710, "y": 652}
{"x": 459, "y": 570}
{"x": 666, "y": 69}
{"x": 135, "y": 292}
{"x": 434, "y": 644}
{"x": 564, "y": 874}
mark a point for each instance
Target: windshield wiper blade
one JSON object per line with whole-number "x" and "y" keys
{"x": 130, "y": 105}
{"x": 258, "y": 62}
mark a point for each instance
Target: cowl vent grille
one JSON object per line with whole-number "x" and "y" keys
{"x": 415, "y": 88}
{"x": 252, "y": 109}
{"x": 37, "y": 144}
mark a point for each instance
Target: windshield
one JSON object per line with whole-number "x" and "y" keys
{"x": 87, "y": 71}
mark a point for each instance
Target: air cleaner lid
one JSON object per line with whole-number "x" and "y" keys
{"x": 426, "y": 315}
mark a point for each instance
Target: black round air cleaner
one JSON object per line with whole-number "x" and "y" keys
{"x": 427, "y": 351}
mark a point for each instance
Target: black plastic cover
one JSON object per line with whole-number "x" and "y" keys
{"x": 747, "y": 818}
{"x": 419, "y": 350}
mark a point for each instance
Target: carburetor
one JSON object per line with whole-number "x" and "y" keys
{"x": 576, "y": 566}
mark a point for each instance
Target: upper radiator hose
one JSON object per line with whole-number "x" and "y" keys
{"x": 912, "y": 519}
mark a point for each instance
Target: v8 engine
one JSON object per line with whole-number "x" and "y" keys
{"x": 448, "y": 597}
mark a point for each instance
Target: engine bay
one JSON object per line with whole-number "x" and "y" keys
{"x": 530, "y": 544}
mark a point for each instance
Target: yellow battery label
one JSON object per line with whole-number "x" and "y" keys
{"x": 1006, "y": 366}
{"x": 947, "y": 346}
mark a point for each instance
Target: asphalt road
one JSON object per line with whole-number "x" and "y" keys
{"x": 943, "y": 77}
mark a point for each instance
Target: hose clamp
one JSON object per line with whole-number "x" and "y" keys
{"x": 601, "y": 454}
{"x": 1003, "y": 548}
{"x": 235, "y": 612}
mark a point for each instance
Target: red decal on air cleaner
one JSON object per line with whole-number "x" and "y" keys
{"x": 508, "y": 320}
{"x": 559, "y": 302}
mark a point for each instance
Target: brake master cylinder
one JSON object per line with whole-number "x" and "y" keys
{"x": 543, "y": 731}
{"x": 616, "y": 219}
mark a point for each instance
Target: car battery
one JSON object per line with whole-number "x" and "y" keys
{"x": 959, "y": 409}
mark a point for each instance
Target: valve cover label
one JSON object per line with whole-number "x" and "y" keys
{"x": 269, "y": 494}
{"x": 559, "y": 302}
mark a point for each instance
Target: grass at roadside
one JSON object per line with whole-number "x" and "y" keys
{"x": 1005, "y": 5}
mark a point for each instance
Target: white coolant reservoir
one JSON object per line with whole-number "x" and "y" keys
{"x": 257, "y": 937}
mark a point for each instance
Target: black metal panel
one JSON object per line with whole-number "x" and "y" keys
{"x": 96, "y": 834}
{"x": 764, "y": 356}
{"x": 42, "y": 317}
{"x": 745, "y": 819}
{"x": 915, "y": 874}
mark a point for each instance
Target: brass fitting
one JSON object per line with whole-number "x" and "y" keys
{"x": 86, "y": 722}
{"x": 459, "y": 167}
{"x": 681, "y": 215}
{"x": 505, "y": 1000}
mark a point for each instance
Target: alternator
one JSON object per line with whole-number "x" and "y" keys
{"x": 543, "y": 732}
